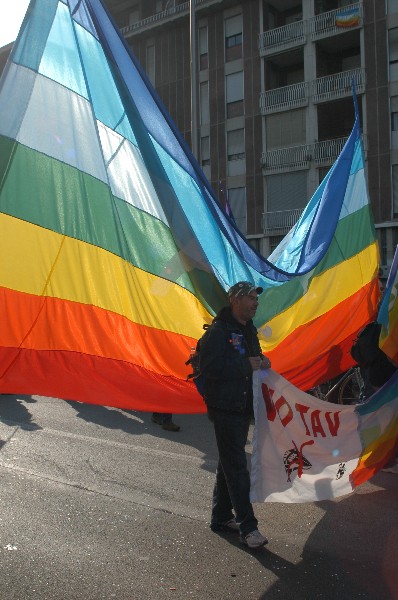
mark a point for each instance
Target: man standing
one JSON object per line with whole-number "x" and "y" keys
{"x": 229, "y": 353}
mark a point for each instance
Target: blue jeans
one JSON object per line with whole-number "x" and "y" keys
{"x": 232, "y": 487}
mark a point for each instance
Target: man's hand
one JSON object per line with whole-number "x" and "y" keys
{"x": 255, "y": 362}
{"x": 265, "y": 362}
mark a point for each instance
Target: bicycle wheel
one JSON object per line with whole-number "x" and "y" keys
{"x": 317, "y": 392}
{"x": 349, "y": 389}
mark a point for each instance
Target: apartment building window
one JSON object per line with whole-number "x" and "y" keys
{"x": 236, "y": 152}
{"x": 394, "y": 121}
{"x": 237, "y": 202}
{"x": 286, "y": 129}
{"x": 395, "y": 190}
{"x": 205, "y": 156}
{"x": 150, "y": 63}
{"x": 286, "y": 192}
{"x": 134, "y": 14}
{"x": 392, "y": 6}
{"x": 233, "y": 38}
{"x": 203, "y": 49}
{"x": 393, "y": 53}
{"x": 234, "y": 94}
{"x": 204, "y": 103}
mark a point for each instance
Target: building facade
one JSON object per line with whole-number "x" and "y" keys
{"x": 274, "y": 98}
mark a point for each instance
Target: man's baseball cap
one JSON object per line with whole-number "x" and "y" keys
{"x": 242, "y": 288}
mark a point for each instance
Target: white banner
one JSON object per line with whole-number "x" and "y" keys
{"x": 306, "y": 449}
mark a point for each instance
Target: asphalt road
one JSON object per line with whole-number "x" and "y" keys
{"x": 99, "y": 503}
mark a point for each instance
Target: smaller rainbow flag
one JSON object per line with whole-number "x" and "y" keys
{"x": 348, "y": 18}
{"x": 388, "y": 314}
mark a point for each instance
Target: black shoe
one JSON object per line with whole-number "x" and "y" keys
{"x": 230, "y": 525}
{"x": 170, "y": 426}
{"x": 156, "y": 419}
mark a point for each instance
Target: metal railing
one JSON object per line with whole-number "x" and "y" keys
{"x": 328, "y": 150}
{"x": 338, "y": 85}
{"x": 293, "y": 157}
{"x": 323, "y": 89}
{"x": 290, "y": 96}
{"x": 280, "y": 38}
{"x": 320, "y": 26}
{"x": 156, "y": 19}
{"x": 280, "y": 219}
{"x": 322, "y": 153}
{"x": 336, "y": 21}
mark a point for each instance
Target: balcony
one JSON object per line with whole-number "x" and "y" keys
{"x": 284, "y": 98}
{"x": 321, "y": 26}
{"x": 293, "y": 158}
{"x": 164, "y": 17}
{"x": 323, "y": 89}
{"x": 327, "y": 151}
{"x": 336, "y": 21}
{"x": 280, "y": 221}
{"x": 281, "y": 38}
{"x": 339, "y": 85}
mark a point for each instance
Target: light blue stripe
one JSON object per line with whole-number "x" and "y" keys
{"x": 33, "y": 34}
{"x": 224, "y": 261}
{"x": 61, "y": 61}
{"x": 104, "y": 95}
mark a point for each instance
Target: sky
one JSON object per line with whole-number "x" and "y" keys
{"x": 11, "y": 17}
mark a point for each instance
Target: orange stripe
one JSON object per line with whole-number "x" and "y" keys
{"x": 96, "y": 380}
{"x": 90, "y": 330}
{"x": 300, "y": 358}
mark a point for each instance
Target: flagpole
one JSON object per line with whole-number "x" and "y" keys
{"x": 194, "y": 81}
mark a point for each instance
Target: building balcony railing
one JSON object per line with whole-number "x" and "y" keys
{"x": 281, "y": 38}
{"x": 279, "y": 99}
{"x": 338, "y": 85}
{"x": 324, "y": 25}
{"x": 295, "y": 157}
{"x": 327, "y": 151}
{"x": 280, "y": 221}
{"x": 165, "y": 15}
{"x": 323, "y": 89}
{"x": 322, "y": 153}
{"x": 336, "y": 21}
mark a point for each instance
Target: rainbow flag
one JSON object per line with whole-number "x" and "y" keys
{"x": 388, "y": 314}
{"x": 306, "y": 449}
{"x": 116, "y": 250}
{"x": 348, "y": 18}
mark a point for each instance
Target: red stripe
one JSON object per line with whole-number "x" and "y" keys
{"x": 95, "y": 380}
{"x": 54, "y": 324}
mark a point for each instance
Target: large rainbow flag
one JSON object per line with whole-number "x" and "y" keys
{"x": 115, "y": 250}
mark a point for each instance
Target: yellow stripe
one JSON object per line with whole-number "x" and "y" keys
{"x": 325, "y": 292}
{"x": 44, "y": 263}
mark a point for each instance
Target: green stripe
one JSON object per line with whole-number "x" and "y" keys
{"x": 353, "y": 234}
{"x": 46, "y": 192}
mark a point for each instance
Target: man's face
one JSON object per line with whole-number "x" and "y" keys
{"x": 244, "y": 307}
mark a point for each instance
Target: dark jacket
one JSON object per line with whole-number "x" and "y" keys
{"x": 225, "y": 364}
